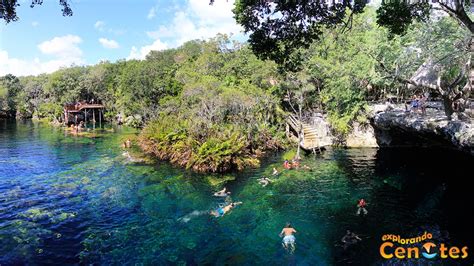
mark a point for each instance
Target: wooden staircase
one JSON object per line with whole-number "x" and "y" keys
{"x": 310, "y": 137}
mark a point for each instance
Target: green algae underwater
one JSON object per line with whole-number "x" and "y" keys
{"x": 84, "y": 200}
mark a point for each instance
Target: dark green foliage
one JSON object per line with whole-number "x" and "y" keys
{"x": 8, "y": 8}
{"x": 398, "y": 15}
{"x": 9, "y": 88}
{"x": 279, "y": 28}
{"x": 224, "y": 118}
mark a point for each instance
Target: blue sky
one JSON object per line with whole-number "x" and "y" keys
{"x": 43, "y": 40}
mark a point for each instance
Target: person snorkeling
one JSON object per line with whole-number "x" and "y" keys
{"x": 349, "y": 239}
{"x": 219, "y": 212}
{"x": 288, "y": 237}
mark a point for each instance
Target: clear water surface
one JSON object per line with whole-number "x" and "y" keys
{"x": 79, "y": 200}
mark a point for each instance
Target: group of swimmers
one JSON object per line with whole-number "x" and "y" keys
{"x": 295, "y": 164}
{"x": 287, "y": 233}
{"x": 78, "y": 127}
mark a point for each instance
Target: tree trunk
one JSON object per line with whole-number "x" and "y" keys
{"x": 448, "y": 106}
{"x": 470, "y": 75}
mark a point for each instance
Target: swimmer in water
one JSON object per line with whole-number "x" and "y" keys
{"x": 349, "y": 239}
{"x": 275, "y": 171}
{"x": 223, "y": 210}
{"x": 288, "y": 237}
{"x": 361, "y": 204}
{"x": 264, "y": 181}
{"x": 222, "y": 193}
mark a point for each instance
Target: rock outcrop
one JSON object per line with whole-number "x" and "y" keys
{"x": 362, "y": 135}
{"x": 394, "y": 126}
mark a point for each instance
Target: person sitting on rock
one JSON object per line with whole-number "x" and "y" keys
{"x": 415, "y": 103}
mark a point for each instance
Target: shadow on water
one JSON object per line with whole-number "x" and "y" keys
{"x": 66, "y": 200}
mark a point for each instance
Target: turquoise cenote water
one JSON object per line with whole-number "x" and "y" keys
{"x": 78, "y": 200}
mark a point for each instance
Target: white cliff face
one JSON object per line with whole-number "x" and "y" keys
{"x": 323, "y": 129}
{"x": 361, "y": 136}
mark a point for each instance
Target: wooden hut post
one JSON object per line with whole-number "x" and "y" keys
{"x": 100, "y": 117}
{"x": 93, "y": 117}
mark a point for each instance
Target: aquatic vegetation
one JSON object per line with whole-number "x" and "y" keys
{"x": 217, "y": 180}
{"x": 61, "y": 217}
{"x": 36, "y": 214}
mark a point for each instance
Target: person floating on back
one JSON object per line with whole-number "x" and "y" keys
{"x": 264, "y": 181}
{"x": 288, "y": 237}
{"x": 361, "y": 207}
{"x": 287, "y": 165}
{"x": 222, "y": 193}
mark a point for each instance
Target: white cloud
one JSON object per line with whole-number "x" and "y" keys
{"x": 199, "y": 20}
{"x": 151, "y": 13}
{"x": 62, "y": 47}
{"x": 34, "y": 23}
{"x": 143, "y": 51}
{"x": 99, "y": 25}
{"x": 102, "y": 27}
{"x": 110, "y": 44}
{"x": 64, "y": 50}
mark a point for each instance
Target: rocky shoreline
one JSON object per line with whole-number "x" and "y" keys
{"x": 392, "y": 126}
{"x": 396, "y": 127}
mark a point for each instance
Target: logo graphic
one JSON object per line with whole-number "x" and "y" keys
{"x": 427, "y": 248}
{"x": 422, "y": 246}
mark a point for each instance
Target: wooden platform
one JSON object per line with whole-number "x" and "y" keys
{"x": 75, "y": 109}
